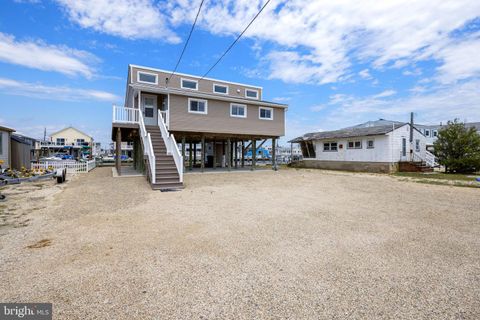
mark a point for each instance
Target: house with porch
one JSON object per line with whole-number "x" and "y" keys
{"x": 164, "y": 115}
{"x": 374, "y": 146}
{"x": 70, "y": 141}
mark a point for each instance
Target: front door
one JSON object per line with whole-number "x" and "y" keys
{"x": 404, "y": 149}
{"x": 149, "y": 109}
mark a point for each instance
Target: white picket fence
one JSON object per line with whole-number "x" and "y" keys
{"x": 71, "y": 166}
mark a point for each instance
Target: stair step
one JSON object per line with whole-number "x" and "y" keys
{"x": 162, "y": 178}
{"x": 167, "y": 186}
{"x": 166, "y": 172}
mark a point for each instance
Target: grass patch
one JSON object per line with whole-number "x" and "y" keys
{"x": 438, "y": 176}
{"x": 447, "y": 183}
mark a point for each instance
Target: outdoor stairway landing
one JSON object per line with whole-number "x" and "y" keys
{"x": 166, "y": 174}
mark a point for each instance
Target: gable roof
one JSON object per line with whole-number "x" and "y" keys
{"x": 73, "y": 129}
{"x": 349, "y": 132}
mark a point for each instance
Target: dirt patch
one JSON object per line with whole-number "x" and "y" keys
{"x": 293, "y": 244}
{"x": 40, "y": 244}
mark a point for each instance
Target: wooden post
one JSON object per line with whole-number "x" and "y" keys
{"x": 236, "y": 154}
{"x": 190, "y": 159}
{"x": 195, "y": 153}
{"x": 202, "y": 160}
{"x": 231, "y": 155}
{"x": 183, "y": 152}
{"x": 254, "y": 154}
{"x": 243, "y": 153}
{"x": 291, "y": 152}
{"x": 274, "y": 154}
{"x": 118, "y": 160}
{"x": 229, "y": 146}
{"x": 214, "y": 155}
{"x": 223, "y": 154}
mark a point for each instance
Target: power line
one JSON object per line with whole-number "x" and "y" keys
{"x": 233, "y": 43}
{"x": 186, "y": 42}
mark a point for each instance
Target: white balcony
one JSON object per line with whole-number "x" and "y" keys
{"x": 125, "y": 115}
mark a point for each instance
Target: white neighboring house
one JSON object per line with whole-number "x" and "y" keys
{"x": 431, "y": 131}
{"x": 69, "y": 141}
{"x": 5, "y": 146}
{"x": 374, "y": 146}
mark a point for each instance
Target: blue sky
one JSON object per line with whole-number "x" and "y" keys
{"x": 336, "y": 64}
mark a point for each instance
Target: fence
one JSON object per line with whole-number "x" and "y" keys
{"x": 71, "y": 166}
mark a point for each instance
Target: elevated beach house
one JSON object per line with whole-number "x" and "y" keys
{"x": 162, "y": 114}
{"x": 373, "y": 146}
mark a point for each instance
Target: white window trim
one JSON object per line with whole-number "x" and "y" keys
{"x": 329, "y": 146}
{"x": 265, "y": 108}
{"x": 149, "y": 73}
{"x": 220, "y": 85}
{"x": 252, "y": 90}
{"x": 361, "y": 144}
{"x": 192, "y": 80}
{"x": 200, "y": 100}
{"x": 241, "y": 105}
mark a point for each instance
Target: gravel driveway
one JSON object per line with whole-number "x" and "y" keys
{"x": 295, "y": 244}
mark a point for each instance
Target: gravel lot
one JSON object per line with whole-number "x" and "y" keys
{"x": 296, "y": 244}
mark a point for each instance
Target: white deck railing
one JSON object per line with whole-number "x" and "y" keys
{"x": 71, "y": 166}
{"x": 430, "y": 159}
{"x": 171, "y": 145}
{"x": 147, "y": 147}
{"x": 125, "y": 115}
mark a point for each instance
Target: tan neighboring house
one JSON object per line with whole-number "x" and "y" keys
{"x": 5, "y": 147}
{"x": 68, "y": 140}
{"x": 220, "y": 116}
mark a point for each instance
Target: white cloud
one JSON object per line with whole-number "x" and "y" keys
{"x": 318, "y": 108}
{"x": 384, "y": 94}
{"x": 131, "y": 19}
{"x": 365, "y": 74}
{"x": 461, "y": 100}
{"x": 318, "y": 41}
{"x": 460, "y": 61}
{"x": 39, "y": 55}
{"x": 35, "y": 90}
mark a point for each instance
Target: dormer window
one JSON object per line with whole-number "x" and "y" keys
{"x": 220, "y": 88}
{"x": 189, "y": 84}
{"x": 251, "y": 94}
{"x": 147, "y": 77}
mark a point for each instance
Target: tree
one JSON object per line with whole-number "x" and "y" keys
{"x": 458, "y": 148}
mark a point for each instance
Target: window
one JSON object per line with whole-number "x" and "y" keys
{"x": 218, "y": 88}
{"x": 146, "y": 77}
{"x": 197, "y": 106}
{"x": 252, "y": 94}
{"x": 189, "y": 84}
{"x": 330, "y": 146}
{"x": 265, "y": 113}
{"x": 417, "y": 145}
{"x": 370, "y": 144}
{"x": 80, "y": 142}
{"x": 238, "y": 110}
{"x": 435, "y": 133}
{"x": 61, "y": 141}
{"x": 427, "y": 133}
{"x": 148, "y": 112}
{"x": 355, "y": 145}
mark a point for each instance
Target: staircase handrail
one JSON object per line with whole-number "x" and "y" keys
{"x": 147, "y": 147}
{"x": 171, "y": 145}
{"x": 430, "y": 159}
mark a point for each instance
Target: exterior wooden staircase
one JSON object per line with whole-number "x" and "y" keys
{"x": 166, "y": 173}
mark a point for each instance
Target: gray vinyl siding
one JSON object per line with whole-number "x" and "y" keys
{"x": 5, "y": 148}
{"x": 218, "y": 119}
{"x": 204, "y": 85}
